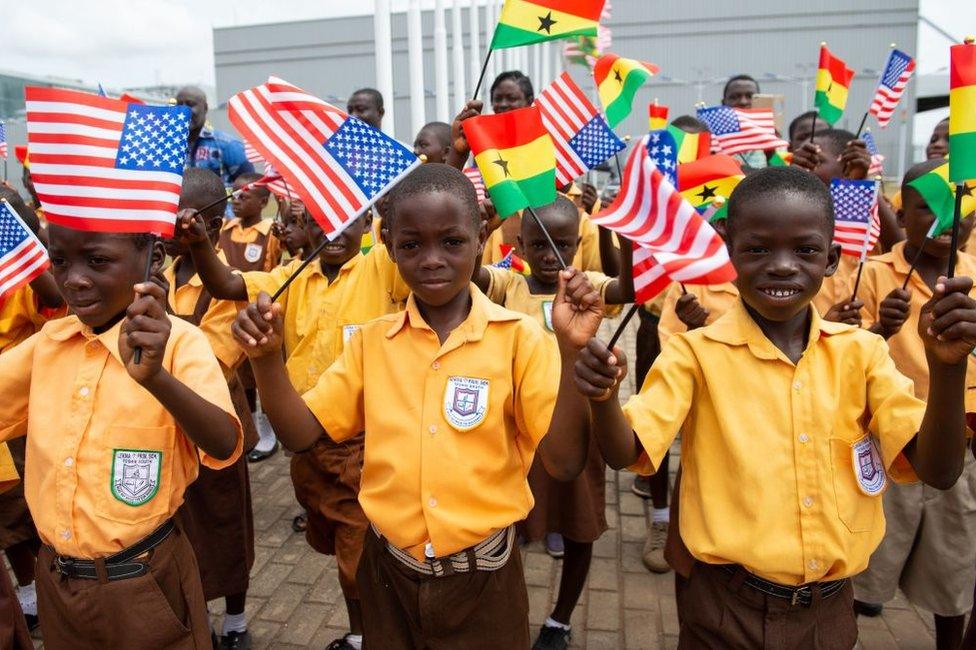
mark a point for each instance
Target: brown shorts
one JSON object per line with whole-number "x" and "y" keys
{"x": 405, "y": 609}
{"x": 326, "y": 480}
{"x": 13, "y": 627}
{"x": 16, "y": 523}
{"x": 216, "y": 515}
{"x": 163, "y": 608}
{"x": 575, "y": 509}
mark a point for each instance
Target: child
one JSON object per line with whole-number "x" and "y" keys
{"x": 216, "y": 512}
{"x": 433, "y": 141}
{"x": 928, "y": 548}
{"x": 790, "y": 425}
{"x": 111, "y": 447}
{"x": 290, "y": 231}
{"x": 569, "y": 515}
{"x": 323, "y": 307}
{"x": 455, "y": 393}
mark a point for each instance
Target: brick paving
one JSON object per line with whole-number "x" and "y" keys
{"x": 295, "y": 601}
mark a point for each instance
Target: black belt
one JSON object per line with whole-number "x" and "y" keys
{"x": 802, "y": 595}
{"x": 118, "y": 566}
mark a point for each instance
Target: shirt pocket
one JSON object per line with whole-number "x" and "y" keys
{"x": 135, "y": 466}
{"x": 857, "y": 510}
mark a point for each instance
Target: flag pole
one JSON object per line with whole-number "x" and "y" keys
{"x": 960, "y": 187}
{"x": 912, "y": 266}
{"x": 813, "y": 123}
{"x": 481, "y": 77}
{"x": 552, "y": 244}
{"x": 857, "y": 281}
{"x": 137, "y": 353}
{"x": 860, "y": 128}
{"x": 623, "y": 324}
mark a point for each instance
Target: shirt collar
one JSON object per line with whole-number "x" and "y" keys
{"x": 70, "y": 326}
{"x": 483, "y": 311}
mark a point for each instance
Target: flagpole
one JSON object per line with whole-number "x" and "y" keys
{"x": 147, "y": 276}
{"x": 960, "y": 187}
{"x": 857, "y": 281}
{"x": 813, "y": 123}
{"x": 623, "y": 324}
{"x": 481, "y": 77}
{"x": 545, "y": 232}
{"x": 911, "y": 267}
{"x": 860, "y": 128}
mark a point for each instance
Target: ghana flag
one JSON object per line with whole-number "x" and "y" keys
{"x": 657, "y": 115}
{"x": 833, "y": 82}
{"x": 708, "y": 180}
{"x": 516, "y": 157}
{"x": 962, "y": 112}
{"x": 939, "y": 194}
{"x": 691, "y": 146}
{"x": 617, "y": 80}
{"x": 523, "y": 22}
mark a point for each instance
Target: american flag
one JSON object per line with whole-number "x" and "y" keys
{"x": 877, "y": 160}
{"x": 586, "y": 49}
{"x": 338, "y": 164}
{"x": 3, "y": 140}
{"x": 276, "y": 184}
{"x": 737, "y": 130}
{"x": 855, "y": 212}
{"x": 474, "y": 175}
{"x": 580, "y": 135}
{"x": 673, "y": 243}
{"x": 664, "y": 154}
{"x": 22, "y": 256}
{"x": 252, "y": 154}
{"x": 898, "y": 70}
{"x": 104, "y": 164}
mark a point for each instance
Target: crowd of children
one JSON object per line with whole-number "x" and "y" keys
{"x": 443, "y": 409}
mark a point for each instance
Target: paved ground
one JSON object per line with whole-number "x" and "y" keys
{"x": 295, "y": 602}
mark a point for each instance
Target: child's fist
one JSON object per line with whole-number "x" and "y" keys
{"x": 577, "y": 310}
{"x": 856, "y": 160}
{"x": 589, "y": 197}
{"x": 147, "y": 327}
{"x": 947, "y": 323}
{"x": 458, "y": 140}
{"x": 598, "y": 371}
{"x": 847, "y": 312}
{"x": 258, "y": 327}
{"x": 894, "y": 311}
{"x": 690, "y": 312}
{"x": 808, "y": 156}
{"x": 190, "y": 228}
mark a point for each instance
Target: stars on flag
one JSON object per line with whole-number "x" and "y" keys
{"x": 546, "y": 22}
{"x": 372, "y": 160}
{"x": 663, "y": 152}
{"x": 594, "y": 142}
{"x": 153, "y": 139}
{"x": 501, "y": 162}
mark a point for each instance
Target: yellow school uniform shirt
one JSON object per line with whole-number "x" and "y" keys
{"x": 21, "y": 316}
{"x": 837, "y": 288}
{"x": 247, "y": 235}
{"x": 883, "y": 274}
{"x": 320, "y": 316}
{"x": 451, "y": 430}
{"x": 767, "y": 446}
{"x": 587, "y": 256}
{"x": 106, "y": 463}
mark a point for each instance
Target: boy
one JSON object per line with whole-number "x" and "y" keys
{"x": 216, "y": 512}
{"x": 433, "y": 141}
{"x": 455, "y": 393}
{"x": 111, "y": 447}
{"x": 570, "y": 516}
{"x": 290, "y": 231}
{"x": 928, "y": 549}
{"x": 790, "y": 425}
{"x": 328, "y": 301}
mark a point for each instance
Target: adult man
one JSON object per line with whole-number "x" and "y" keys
{"x": 207, "y": 147}
{"x": 367, "y": 105}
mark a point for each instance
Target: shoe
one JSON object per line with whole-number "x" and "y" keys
{"x": 552, "y": 638}
{"x": 641, "y": 486}
{"x": 340, "y": 644}
{"x": 554, "y": 545}
{"x": 653, "y": 555}
{"x": 235, "y": 641}
{"x": 32, "y": 621}
{"x": 257, "y": 456}
{"x": 867, "y": 609}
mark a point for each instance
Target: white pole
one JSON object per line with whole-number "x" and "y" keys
{"x": 537, "y": 78}
{"x": 443, "y": 100}
{"x": 383, "y": 46}
{"x": 491, "y": 20}
{"x": 902, "y": 143}
{"x": 475, "y": 54}
{"x": 460, "y": 83}
{"x": 415, "y": 53}
{"x": 546, "y": 56}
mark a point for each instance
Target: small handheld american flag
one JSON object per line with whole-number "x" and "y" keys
{"x": 738, "y": 130}
{"x": 877, "y": 160}
{"x": 897, "y": 71}
{"x": 855, "y": 215}
{"x": 22, "y": 256}
{"x": 3, "y": 140}
{"x": 474, "y": 175}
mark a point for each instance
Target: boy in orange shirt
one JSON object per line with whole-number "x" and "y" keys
{"x": 455, "y": 394}
{"x": 776, "y": 536}
{"x": 112, "y": 445}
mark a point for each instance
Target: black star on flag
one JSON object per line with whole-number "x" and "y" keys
{"x": 503, "y": 164}
{"x": 616, "y": 75}
{"x": 966, "y": 189}
{"x": 707, "y": 193}
{"x": 546, "y": 22}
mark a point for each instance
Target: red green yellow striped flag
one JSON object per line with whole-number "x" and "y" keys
{"x": 691, "y": 146}
{"x": 710, "y": 180}
{"x": 962, "y": 112}
{"x": 617, "y": 80}
{"x": 516, "y": 157}
{"x": 658, "y": 116}
{"x": 833, "y": 82}
{"x": 523, "y": 22}
{"x": 939, "y": 195}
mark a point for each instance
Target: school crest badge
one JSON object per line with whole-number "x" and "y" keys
{"x": 465, "y": 402}
{"x": 252, "y": 252}
{"x": 135, "y": 475}
{"x": 348, "y": 331}
{"x": 868, "y": 468}
{"x": 547, "y": 314}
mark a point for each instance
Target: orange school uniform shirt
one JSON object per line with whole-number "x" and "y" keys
{"x": 233, "y": 234}
{"x": 106, "y": 463}
{"x": 783, "y": 464}
{"x": 320, "y": 316}
{"x": 21, "y": 315}
{"x": 451, "y": 429}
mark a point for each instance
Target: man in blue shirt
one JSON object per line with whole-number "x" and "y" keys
{"x": 207, "y": 147}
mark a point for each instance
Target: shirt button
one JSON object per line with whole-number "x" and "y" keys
{"x": 813, "y": 564}
{"x": 804, "y": 438}
{"x": 432, "y": 428}
{"x": 432, "y": 502}
{"x": 65, "y": 534}
{"x": 797, "y": 385}
{"x": 69, "y": 461}
{"x": 83, "y": 391}
{"x": 436, "y": 365}
{"x": 807, "y": 501}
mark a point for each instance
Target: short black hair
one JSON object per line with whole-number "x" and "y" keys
{"x": 375, "y": 95}
{"x": 250, "y": 177}
{"x": 688, "y": 122}
{"x": 202, "y": 187}
{"x": 562, "y": 204}
{"x": 802, "y": 117}
{"x": 834, "y": 140}
{"x": 440, "y": 130}
{"x": 16, "y": 201}
{"x": 524, "y": 84}
{"x": 429, "y": 178}
{"x": 765, "y": 183}
{"x": 738, "y": 77}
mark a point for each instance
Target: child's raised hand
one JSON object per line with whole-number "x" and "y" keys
{"x": 690, "y": 312}
{"x": 589, "y": 197}
{"x": 598, "y": 371}
{"x": 847, "y": 312}
{"x": 146, "y": 326}
{"x": 947, "y": 323}
{"x": 808, "y": 156}
{"x": 856, "y": 160}
{"x": 458, "y": 140}
{"x": 190, "y": 228}
{"x": 577, "y": 310}
{"x": 894, "y": 311}
{"x": 258, "y": 327}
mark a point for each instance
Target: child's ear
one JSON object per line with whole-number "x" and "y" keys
{"x": 158, "y": 255}
{"x": 482, "y": 237}
{"x": 900, "y": 217}
{"x": 367, "y": 221}
{"x": 719, "y": 227}
{"x": 833, "y": 259}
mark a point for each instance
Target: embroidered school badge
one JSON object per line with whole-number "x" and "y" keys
{"x": 135, "y": 475}
{"x": 547, "y": 314}
{"x": 868, "y": 468}
{"x": 348, "y": 331}
{"x": 465, "y": 402}
{"x": 252, "y": 252}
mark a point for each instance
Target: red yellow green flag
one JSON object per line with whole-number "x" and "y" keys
{"x": 691, "y": 146}
{"x": 939, "y": 195}
{"x": 523, "y": 22}
{"x": 962, "y": 112}
{"x": 516, "y": 157}
{"x": 617, "y": 80}
{"x": 658, "y": 116}
{"x": 780, "y": 158}
{"x": 833, "y": 82}
{"x": 709, "y": 180}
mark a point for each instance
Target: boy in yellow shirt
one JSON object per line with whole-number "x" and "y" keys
{"x": 455, "y": 394}
{"x": 778, "y": 533}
